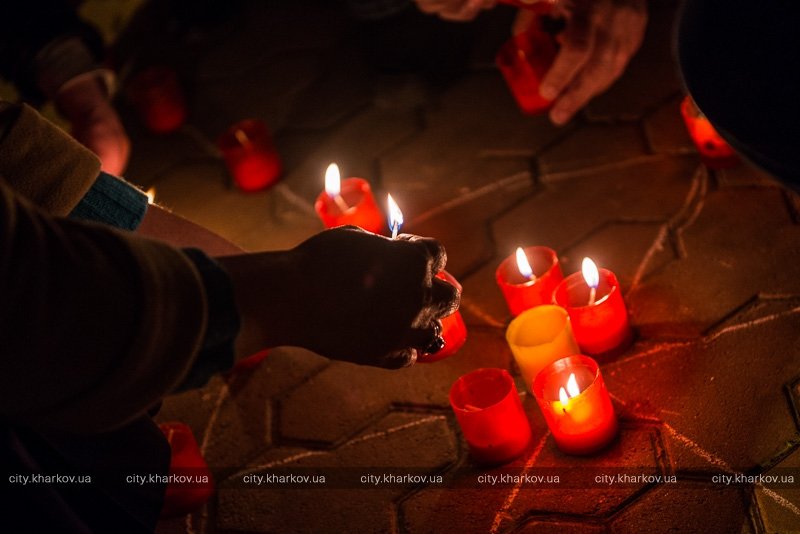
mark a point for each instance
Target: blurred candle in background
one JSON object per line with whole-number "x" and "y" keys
{"x": 714, "y": 151}
{"x": 250, "y": 155}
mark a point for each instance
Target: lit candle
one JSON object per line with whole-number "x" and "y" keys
{"x": 348, "y": 202}
{"x": 593, "y": 300}
{"x": 538, "y": 337}
{"x": 575, "y": 403}
{"x": 158, "y": 99}
{"x": 151, "y": 195}
{"x": 524, "y": 61}
{"x": 490, "y": 414}
{"x": 528, "y": 278}
{"x": 454, "y": 331}
{"x": 395, "y": 216}
{"x": 250, "y": 155}
{"x": 714, "y": 151}
{"x": 185, "y": 460}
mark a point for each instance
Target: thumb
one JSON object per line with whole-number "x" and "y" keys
{"x": 522, "y": 21}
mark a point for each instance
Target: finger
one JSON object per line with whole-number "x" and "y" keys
{"x": 427, "y": 340}
{"x": 595, "y": 79}
{"x": 577, "y": 47}
{"x": 445, "y": 298}
{"x": 399, "y": 359}
{"x": 432, "y": 248}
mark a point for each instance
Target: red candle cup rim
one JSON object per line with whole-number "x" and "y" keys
{"x": 570, "y": 289}
{"x": 562, "y": 368}
{"x": 538, "y": 256}
{"x": 483, "y": 388}
{"x": 353, "y": 191}
{"x": 255, "y": 129}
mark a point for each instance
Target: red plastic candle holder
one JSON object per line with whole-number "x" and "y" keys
{"x": 524, "y": 61}
{"x": 250, "y": 155}
{"x": 361, "y": 207}
{"x": 488, "y": 409}
{"x": 185, "y": 461}
{"x": 454, "y": 331}
{"x": 714, "y": 152}
{"x": 522, "y": 294}
{"x": 586, "y": 422}
{"x": 158, "y": 99}
{"x": 599, "y": 328}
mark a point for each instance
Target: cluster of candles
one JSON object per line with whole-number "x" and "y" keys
{"x": 557, "y": 323}
{"x": 556, "y": 319}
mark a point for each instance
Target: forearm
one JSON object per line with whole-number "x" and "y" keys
{"x": 95, "y": 326}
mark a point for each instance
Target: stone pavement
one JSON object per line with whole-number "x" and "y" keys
{"x": 709, "y": 262}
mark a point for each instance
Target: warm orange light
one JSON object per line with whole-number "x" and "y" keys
{"x": 333, "y": 181}
{"x": 572, "y": 390}
{"x": 523, "y": 265}
{"x": 151, "y": 195}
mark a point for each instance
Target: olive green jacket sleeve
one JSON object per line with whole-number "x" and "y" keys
{"x": 96, "y": 325}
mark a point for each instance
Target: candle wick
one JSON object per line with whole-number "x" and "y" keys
{"x": 242, "y": 137}
{"x": 340, "y": 203}
{"x": 592, "y": 295}
{"x": 395, "y": 229}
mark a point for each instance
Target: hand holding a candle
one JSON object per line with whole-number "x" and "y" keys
{"x": 346, "y": 294}
{"x": 600, "y": 37}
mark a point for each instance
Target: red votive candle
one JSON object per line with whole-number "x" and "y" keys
{"x": 158, "y": 99}
{"x": 490, "y": 414}
{"x": 600, "y": 323}
{"x": 454, "y": 331}
{"x": 250, "y": 155}
{"x": 185, "y": 461}
{"x": 714, "y": 151}
{"x": 348, "y": 201}
{"x": 534, "y": 286}
{"x": 524, "y": 61}
{"x": 576, "y": 405}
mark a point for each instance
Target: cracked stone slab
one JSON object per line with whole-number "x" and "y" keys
{"x": 779, "y": 508}
{"x": 398, "y": 440}
{"x": 344, "y": 398}
{"x": 592, "y": 145}
{"x": 665, "y": 130}
{"x": 717, "y": 274}
{"x": 688, "y": 507}
{"x": 705, "y": 396}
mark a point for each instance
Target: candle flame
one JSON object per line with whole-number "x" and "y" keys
{"x": 572, "y": 390}
{"x": 333, "y": 181}
{"x": 523, "y": 265}
{"x": 563, "y": 397}
{"x": 395, "y": 215}
{"x": 572, "y": 386}
{"x": 590, "y": 273}
{"x": 151, "y": 195}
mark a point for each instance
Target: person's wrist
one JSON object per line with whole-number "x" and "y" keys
{"x": 266, "y": 297}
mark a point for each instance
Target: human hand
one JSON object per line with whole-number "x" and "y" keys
{"x": 457, "y": 10}
{"x": 95, "y": 123}
{"x": 346, "y": 294}
{"x": 599, "y": 40}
